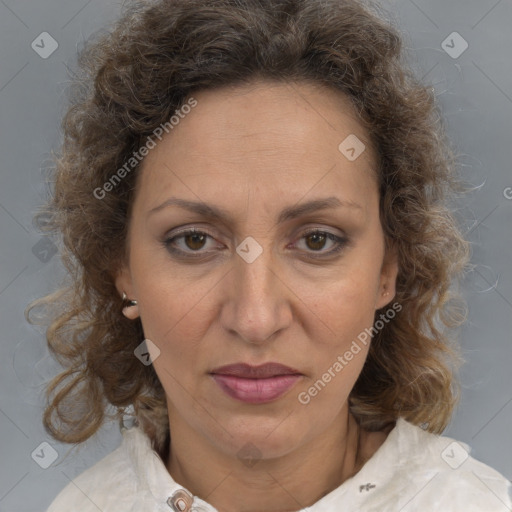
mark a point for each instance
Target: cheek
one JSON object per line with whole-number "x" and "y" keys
{"x": 324, "y": 394}
{"x": 341, "y": 314}
{"x": 344, "y": 306}
{"x": 175, "y": 311}
{"x": 337, "y": 355}
{"x": 175, "y": 320}
{"x": 358, "y": 286}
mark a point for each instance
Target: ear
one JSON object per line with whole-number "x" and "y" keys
{"x": 124, "y": 285}
{"x": 123, "y": 281}
{"x": 389, "y": 271}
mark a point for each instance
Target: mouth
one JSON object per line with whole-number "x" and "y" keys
{"x": 255, "y": 384}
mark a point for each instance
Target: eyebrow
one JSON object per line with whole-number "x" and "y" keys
{"x": 288, "y": 213}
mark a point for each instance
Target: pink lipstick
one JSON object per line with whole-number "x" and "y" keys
{"x": 255, "y": 384}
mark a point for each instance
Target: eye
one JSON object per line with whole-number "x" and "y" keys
{"x": 316, "y": 239}
{"x": 193, "y": 239}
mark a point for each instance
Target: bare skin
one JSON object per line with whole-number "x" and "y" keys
{"x": 254, "y": 150}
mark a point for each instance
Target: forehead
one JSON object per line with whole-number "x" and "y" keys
{"x": 265, "y": 138}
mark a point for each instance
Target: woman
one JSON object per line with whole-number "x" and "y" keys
{"x": 252, "y": 199}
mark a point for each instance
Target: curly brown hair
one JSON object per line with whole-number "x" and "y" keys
{"x": 132, "y": 78}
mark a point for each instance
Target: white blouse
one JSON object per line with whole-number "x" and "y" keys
{"x": 413, "y": 470}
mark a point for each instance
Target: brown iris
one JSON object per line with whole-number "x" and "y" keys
{"x": 195, "y": 237}
{"x": 320, "y": 237}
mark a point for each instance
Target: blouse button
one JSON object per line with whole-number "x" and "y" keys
{"x": 180, "y": 501}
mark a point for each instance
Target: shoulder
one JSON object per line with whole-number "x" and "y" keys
{"x": 438, "y": 471}
{"x": 110, "y": 485}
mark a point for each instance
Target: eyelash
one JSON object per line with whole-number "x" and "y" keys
{"x": 341, "y": 241}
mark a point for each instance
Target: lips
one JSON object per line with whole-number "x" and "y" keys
{"x": 255, "y": 384}
{"x": 263, "y": 371}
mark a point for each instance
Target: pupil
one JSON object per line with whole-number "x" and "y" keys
{"x": 317, "y": 236}
{"x": 195, "y": 236}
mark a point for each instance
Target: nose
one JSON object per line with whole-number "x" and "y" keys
{"x": 258, "y": 304}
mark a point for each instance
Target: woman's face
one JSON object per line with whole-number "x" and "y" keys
{"x": 257, "y": 288}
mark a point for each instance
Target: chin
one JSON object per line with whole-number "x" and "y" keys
{"x": 266, "y": 439}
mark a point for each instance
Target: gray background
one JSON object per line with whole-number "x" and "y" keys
{"x": 475, "y": 92}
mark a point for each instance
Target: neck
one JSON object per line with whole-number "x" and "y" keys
{"x": 290, "y": 482}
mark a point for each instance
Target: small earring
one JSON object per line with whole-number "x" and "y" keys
{"x": 131, "y": 303}
{"x": 385, "y": 293}
{"x": 128, "y": 312}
